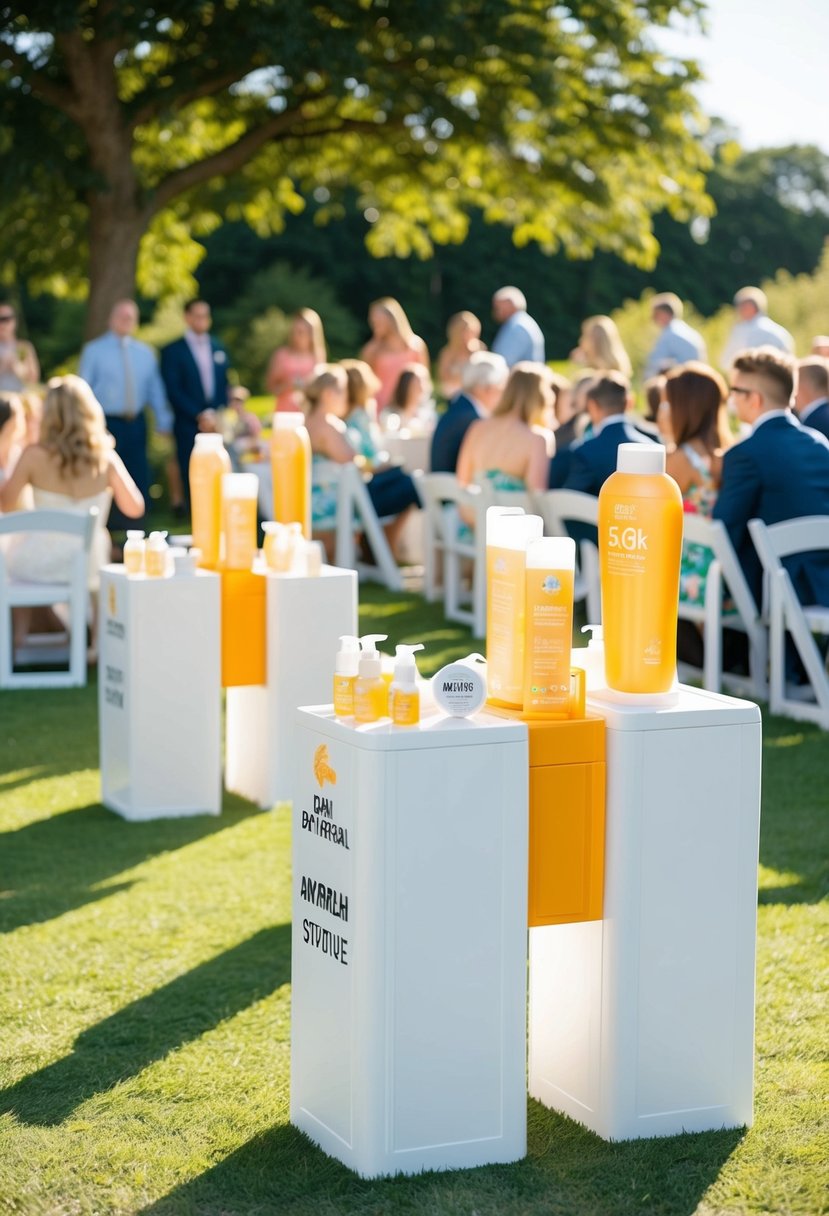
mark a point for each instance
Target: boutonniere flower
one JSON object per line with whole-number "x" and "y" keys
{"x": 219, "y": 356}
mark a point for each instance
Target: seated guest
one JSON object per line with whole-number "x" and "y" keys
{"x": 588, "y": 463}
{"x": 12, "y": 432}
{"x": 820, "y": 345}
{"x": 812, "y": 399}
{"x": 464, "y": 338}
{"x": 654, "y": 421}
{"x": 601, "y": 348}
{"x": 779, "y": 472}
{"x": 483, "y": 380}
{"x": 508, "y": 449}
{"x": 392, "y": 491}
{"x": 361, "y": 426}
{"x": 571, "y": 411}
{"x": 412, "y": 407}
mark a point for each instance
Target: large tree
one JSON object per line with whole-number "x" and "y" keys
{"x": 129, "y": 129}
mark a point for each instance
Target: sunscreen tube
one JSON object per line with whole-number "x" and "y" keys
{"x": 459, "y": 689}
{"x": 507, "y": 537}
{"x": 640, "y": 546}
{"x": 548, "y": 626}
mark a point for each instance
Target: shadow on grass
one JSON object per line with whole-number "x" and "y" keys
{"x": 568, "y": 1172}
{"x": 794, "y": 827}
{"x": 124, "y": 1044}
{"x": 53, "y": 865}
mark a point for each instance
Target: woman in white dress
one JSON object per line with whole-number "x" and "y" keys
{"x": 73, "y": 468}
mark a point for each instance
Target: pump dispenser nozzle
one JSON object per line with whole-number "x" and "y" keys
{"x": 370, "y": 662}
{"x": 348, "y": 656}
{"x": 405, "y": 667}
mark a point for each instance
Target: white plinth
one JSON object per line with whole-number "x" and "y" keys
{"x": 159, "y": 695}
{"x": 642, "y": 1024}
{"x": 305, "y": 618}
{"x": 409, "y": 943}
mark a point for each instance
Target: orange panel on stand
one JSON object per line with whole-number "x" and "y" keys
{"x": 567, "y": 819}
{"x": 243, "y": 628}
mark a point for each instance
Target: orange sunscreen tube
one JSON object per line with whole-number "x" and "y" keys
{"x": 291, "y": 470}
{"x": 548, "y": 626}
{"x": 209, "y": 462}
{"x": 640, "y": 546}
{"x": 508, "y": 532}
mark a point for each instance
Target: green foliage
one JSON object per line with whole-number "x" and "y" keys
{"x": 258, "y": 320}
{"x": 564, "y": 124}
{"x": 145, "y": 1007}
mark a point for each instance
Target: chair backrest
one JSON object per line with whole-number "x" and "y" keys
{"x": 775, "y": 541}
{"x": 558, "y": 507}
{"x": 71, "y": 523}
{"x": 699, "y": 530}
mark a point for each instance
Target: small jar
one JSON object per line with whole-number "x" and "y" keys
{"x": 155, "y": 557}
{"x": 134, "y": 549}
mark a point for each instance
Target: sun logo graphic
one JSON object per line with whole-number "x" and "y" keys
{"x": 551, "y": 584}
{"x": 322, "y": 768}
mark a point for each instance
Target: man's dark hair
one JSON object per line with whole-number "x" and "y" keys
{"x": 610, "y": 392}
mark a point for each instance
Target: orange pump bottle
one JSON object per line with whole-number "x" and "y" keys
{"x": 208, "y": 463}
{"x": 291, "y": 470}
{"x": 640, "y": 546}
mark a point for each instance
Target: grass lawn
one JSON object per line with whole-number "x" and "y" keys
{"x": 145, "y": 1007}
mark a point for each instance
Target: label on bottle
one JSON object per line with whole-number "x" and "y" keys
{"x": 405, "y": 707}
{"x": 344, "y": 696}
{"x": 549, "y": 631}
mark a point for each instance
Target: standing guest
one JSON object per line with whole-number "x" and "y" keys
{"x": 392, "y": 347}
{"x": 123, "y": 375}
{"x": 678, "y": 342}
{"x": 753, "y": 326}
{"x": 519, "y": 338}
{"x": 587, "y": 463}
{"x": 292, "y": 366}
{"x": 18, "y": 361}
{"x": 812, "y": 398}
{"x": 464, "y": 339}
{"x": 820, "y": 345}
{"x": 779, "y": 472}
{"x": 482, "y": 386}
{"x": 508, "y": 449}
{"x": 601, "y": 348}
{"x": 194, "y": 369}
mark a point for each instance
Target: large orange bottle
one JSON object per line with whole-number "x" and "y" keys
{"x": 291, "y": 470}
{"x": 208, "y": 463}
{"x": 640, "y": 546}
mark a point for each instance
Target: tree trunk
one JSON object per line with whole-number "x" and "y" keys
{"x": 113, "y": 255}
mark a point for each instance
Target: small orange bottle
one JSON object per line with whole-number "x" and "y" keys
{"x": 640, "y": 546}
{"x": 291, "y": 471}
{"x": 208, "y": 463}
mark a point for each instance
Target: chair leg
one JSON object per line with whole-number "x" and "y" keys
{"x": 6, "y": 649}
{"x": 777, "y": 650}
{"x": 712, "y": 630}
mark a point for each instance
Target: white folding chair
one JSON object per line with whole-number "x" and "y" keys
{"x": 16, "y": 593}
{"x": 557, "y": 508}
{"x": 786, "y": 614}
{"x": 450, "y": 545}
{"x": 355, "y": 513}
{"x": 724, "y": 574}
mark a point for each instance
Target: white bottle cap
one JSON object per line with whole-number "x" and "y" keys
{"x": 135, "y": 535}
{"x": 551, "y": 553}
{"x": 240, "y": 485}
{"x": 512, "y": 531}
{"x": 209, "y": 440}
{"x": 405, "y": 667}
{"x": 158, "y": 539}
{"x": 288, "y": 420}
{"x": 371, "y": 664}
{"x": 640, "y": 458}
{"x": 348, "y": 656}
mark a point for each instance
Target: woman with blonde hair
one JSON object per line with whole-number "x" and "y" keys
{"x": 392, "y": 346}
{"x": 512, "y": 449}
{"x": 601, "y": 348}
{"x": 292, "y": 365}
{"x": 361, "y": 427}
{"x": 464, "y": 338}
{"x": 72, "y": 468}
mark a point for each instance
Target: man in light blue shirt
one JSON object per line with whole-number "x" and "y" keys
{"x": 678, "y": 342}
{"x": 123, "y": 374}
{"x": 754, "y": 327}
{"x": 519, "y": 339}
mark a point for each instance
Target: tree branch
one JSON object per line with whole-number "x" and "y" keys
{"x": 47, "y": 90}
{"x": 154, "y": 101}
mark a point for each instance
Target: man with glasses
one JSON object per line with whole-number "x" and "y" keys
{"x": 123, "y": 374}
{"x": 779, "y": 471}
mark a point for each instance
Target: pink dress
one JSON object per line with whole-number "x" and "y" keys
{"x": 295, "y": 367}
{"x": 387, "y": 366}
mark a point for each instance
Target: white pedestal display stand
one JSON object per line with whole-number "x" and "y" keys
{"x": 159, "y": 695}
{"x": 642, "y": 1024}
{"x": 305, "y": 618}
{"x": 409, "y": 942}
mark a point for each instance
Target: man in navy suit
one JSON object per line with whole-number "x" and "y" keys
{"x": 779, "y": 472}
{"x": 586, "y": 464}
{"x": 482, "y": 383}
{"x": 194, "y": 370}
{"x": 812, "y": 397}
